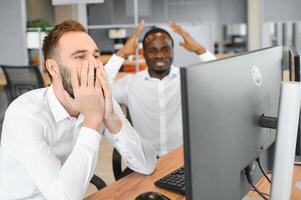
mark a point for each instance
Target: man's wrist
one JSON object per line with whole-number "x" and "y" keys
{"x": 121, "y": 54}
{"x": 92, "y": 122}
{"x": 113, "y": 123}
{"x": 200, "y": 51}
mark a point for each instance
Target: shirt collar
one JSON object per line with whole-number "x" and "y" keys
{"x": 174, "y": 71}
{"x": 58, "y": 111}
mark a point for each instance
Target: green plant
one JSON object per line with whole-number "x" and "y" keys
{"x": 39, "y": 23}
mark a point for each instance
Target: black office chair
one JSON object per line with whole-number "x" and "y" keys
{"x": 116, "y": 158}
{"x": 98, "y": 182}
{"x": 21, "y": 79}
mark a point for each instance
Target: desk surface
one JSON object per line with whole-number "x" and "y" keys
{"x": 134, "y": 184}
{"x": 131, "y": 186}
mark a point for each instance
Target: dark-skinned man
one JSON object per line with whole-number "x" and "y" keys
{"x": 153, "y": 96}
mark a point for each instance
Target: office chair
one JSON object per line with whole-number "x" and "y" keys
{"x": 21, "y": 79}
{"x": 116, "y": 158}
{"x": 98, "y": 182}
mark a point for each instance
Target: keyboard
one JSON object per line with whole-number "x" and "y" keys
{"x": 175, "y": 181}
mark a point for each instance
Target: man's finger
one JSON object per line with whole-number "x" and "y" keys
{"x": 182, "y": 43}
{"x": 98, "y": 81}
{"x": 176, "y": 28}
{"x": 105, "y": 83}
{"x": 138, "y": 29}
{"x": 103, "y": 73}
{"x": 91, "y": 73}
{"x": 84, "y": 73}
{"x": 105, "y": 87}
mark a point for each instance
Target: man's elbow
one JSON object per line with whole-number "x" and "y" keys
{"x": 151, "y": 166}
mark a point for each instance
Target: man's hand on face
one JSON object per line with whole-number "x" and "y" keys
{"x": 88, "y": 96}
{"x": 131, "y": 43}
{"x": 188, "y": 43}
{"x": 111, "y": 119}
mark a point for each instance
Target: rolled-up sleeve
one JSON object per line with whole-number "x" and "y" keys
{"x": 207, "y": 56}
{"x": 112, "y": 67}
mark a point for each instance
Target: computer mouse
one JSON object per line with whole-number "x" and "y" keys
{"x": 152, "y": 196}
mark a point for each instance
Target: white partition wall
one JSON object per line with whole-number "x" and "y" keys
{"x": 13, "y": 49}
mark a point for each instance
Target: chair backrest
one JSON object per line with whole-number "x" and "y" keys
{"x": 21, "y": 79}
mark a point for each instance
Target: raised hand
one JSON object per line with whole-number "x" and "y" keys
{"x": 188, "y": 43}
{"x": 131, "y": 43}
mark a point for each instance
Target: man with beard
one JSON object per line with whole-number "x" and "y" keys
{"x": 153, "y": 96}
{"x": 51, "y": 136}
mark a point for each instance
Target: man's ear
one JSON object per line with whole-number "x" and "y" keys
{"x": 53, "y": 68}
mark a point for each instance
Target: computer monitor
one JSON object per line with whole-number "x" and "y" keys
{"x": 222, "y": 104}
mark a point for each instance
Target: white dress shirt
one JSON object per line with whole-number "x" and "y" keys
{"x": 155, "y": 106}
{"x": 47, "y": 154}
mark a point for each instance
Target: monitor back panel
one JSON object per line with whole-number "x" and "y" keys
{"x": 222, "y": 103}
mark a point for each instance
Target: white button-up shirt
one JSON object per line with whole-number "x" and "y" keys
{"x": 47, "y": 154}
{"x": 155, "y": 106}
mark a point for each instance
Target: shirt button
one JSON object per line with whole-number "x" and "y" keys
{"x": 116, "y": 140}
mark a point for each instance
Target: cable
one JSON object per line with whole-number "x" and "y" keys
{"x": 262, "y": 193}
{"x": 261, "y": 169}
{"x": 249, "y": 178}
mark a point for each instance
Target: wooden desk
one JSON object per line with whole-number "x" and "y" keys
{"x": 131, "y": 186}
{"x": 2, "y": 80}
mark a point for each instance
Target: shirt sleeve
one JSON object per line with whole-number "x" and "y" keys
{"x": 138, "y": 153}
{"x": 208, "y": 56}
{"x": 120, "y": 89}
{"x": 112, "y": 67}
{"x": 55, "y": 180}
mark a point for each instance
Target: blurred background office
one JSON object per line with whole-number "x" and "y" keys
{"x": 225, "y": 27}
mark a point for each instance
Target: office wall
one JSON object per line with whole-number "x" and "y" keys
{"x": 12, "y": 32}
{"x": 281, "y": 10}
{"x": 63, "y": 12}
{"x": 40, "y": 9}
{"x": 218, "y": 12}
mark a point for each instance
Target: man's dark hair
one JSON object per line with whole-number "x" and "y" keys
{"x": 155, "y": 30}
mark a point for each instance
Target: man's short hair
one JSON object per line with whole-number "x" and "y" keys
{"x": 155, "y": 30}
{"x": 52, "y": 39}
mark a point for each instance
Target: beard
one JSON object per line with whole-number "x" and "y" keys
{"x": 66, "y": 80}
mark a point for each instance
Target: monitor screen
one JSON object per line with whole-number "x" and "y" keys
{"x": 222, "y": 104}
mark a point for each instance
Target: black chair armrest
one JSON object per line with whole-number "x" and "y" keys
{"x": 116, "y": 163}
{"x": 98, "y": 182}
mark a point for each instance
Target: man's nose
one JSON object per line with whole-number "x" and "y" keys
{"x": 160, "y": 55}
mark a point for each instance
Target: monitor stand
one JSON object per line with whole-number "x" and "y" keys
{"x": 297, "y": 160}
{"x": 286, "y": 138}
